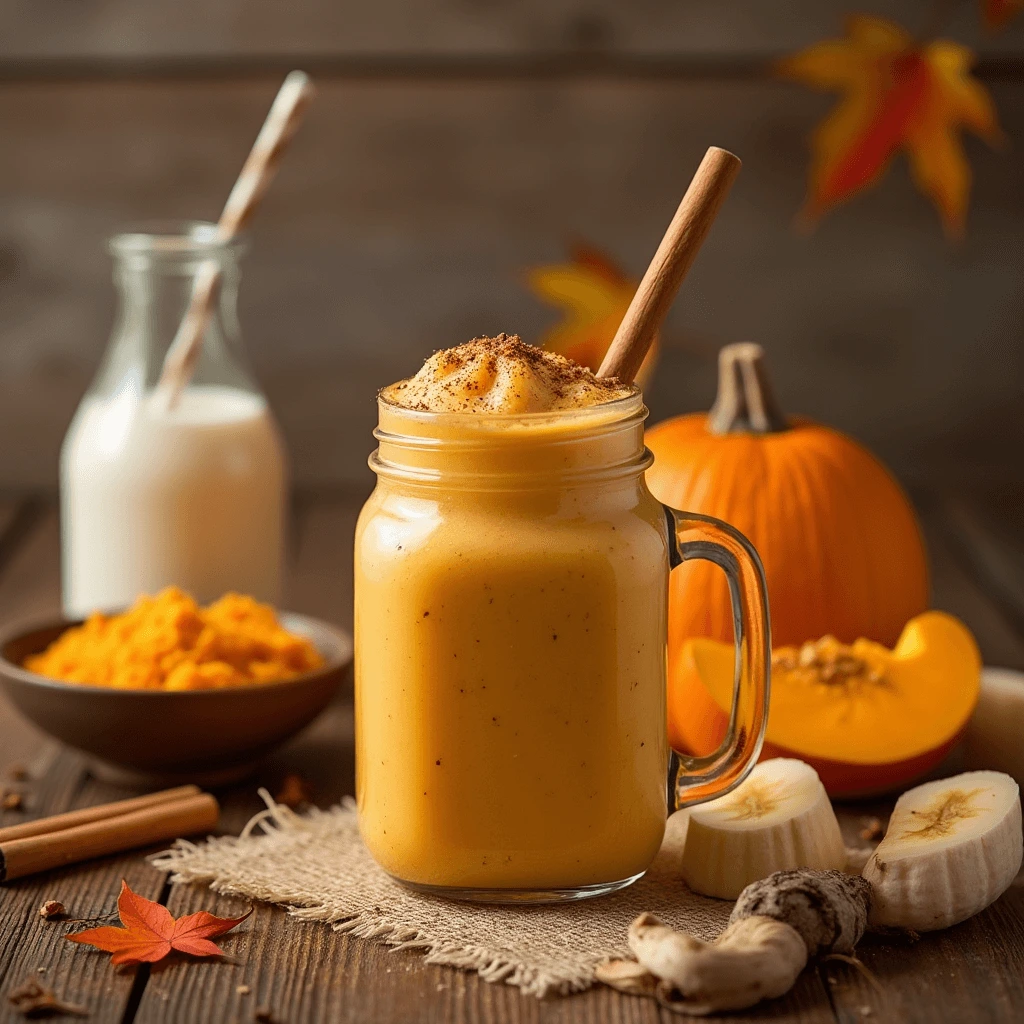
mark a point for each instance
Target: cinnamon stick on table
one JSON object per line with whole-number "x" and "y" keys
{"x": 153, "y": 823}
{"x": 86, "y": 814}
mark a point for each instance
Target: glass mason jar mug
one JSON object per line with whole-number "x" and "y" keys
{"x": 192, "y": 495}
{"x": 511, "y": 591}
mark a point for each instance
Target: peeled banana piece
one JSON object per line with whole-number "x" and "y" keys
{"x": 952, "y": 848}
{"x": 778, "y": 818}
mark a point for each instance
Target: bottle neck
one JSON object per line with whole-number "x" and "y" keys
{"x": 155, "y": 274}
{"x": 498, "y": 452}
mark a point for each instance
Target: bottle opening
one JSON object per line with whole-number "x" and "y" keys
{"x": 185, "y": 241}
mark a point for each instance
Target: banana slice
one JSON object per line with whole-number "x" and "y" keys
{"x": 994, "y": 733}
{"x": 952, "y": 848}
{"x": 778, "y": 818}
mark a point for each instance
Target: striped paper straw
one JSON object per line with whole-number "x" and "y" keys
{"x": 258, "y": 171}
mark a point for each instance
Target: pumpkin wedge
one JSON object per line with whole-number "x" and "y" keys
{"x": 866, "y": 718}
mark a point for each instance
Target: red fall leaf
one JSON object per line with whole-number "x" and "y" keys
{"x": 150, "y": 932}
{"x": 898, "y": 95}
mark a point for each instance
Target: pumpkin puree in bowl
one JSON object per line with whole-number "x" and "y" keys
{"x": 168, "y": 642}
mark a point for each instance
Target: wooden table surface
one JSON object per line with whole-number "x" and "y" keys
{"x": 305, "y": 973}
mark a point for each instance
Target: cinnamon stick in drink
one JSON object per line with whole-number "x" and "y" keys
{"x": 671, "y": 263}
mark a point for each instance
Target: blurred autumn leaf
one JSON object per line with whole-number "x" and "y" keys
{"x": 996, "y": 13}
{"x": 897, "y": 94}
{"x": 594, "y": 294}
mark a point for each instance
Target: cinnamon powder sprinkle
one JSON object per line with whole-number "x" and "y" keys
{"x": 502, "y": 375}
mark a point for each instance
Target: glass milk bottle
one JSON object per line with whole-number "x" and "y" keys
{"x": 194, "y": 495}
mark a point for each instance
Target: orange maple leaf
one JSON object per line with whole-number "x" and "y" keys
{"x": 998, "y": 13}
{"x": 594, "y": 294}
{"x": 898, "y": 94}
{"x": 150, "y": 932}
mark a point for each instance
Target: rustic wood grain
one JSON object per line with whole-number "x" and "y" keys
{"x": 147, "y": 29}
{"x": 986, "y": 529}
{"x": 20, "y": 743}
{"x": 304, "y": 972}
{"x": 958, "y": 589}
{"x": 30, "y": 579}
{"x": 19, "y": 519}
{"x": 972, "y": 973}
{"x": 318, "y": 975}
{"x": 57, "y": 781}
{"x": 27, "y": 942}
{"x": 406, "y": 212}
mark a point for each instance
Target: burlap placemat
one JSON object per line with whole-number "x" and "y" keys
{"x": 315, "y": 864}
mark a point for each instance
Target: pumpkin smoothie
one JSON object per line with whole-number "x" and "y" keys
{"x": 511, "y": 590}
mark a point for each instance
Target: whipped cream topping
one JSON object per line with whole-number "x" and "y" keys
{"x": 502, "y": 375}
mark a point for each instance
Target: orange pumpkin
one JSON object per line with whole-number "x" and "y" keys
{"x": 866, "y": 718}
{"x": 841, "y": 547}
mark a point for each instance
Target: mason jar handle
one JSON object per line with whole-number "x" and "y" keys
{"x": 695, "y": 779}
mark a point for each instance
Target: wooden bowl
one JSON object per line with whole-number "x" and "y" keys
{"x": 161, "y": 736}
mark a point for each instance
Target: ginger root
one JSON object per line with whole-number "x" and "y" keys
{"x": 627, "y": 975}
{"x": 777, "y": 925}
{"x": 756, "y": 958}
{"x": 828, "y": 908}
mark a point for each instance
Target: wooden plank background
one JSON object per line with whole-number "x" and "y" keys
{"x": 194, "y": 30}
{"x": 455, "y": 143}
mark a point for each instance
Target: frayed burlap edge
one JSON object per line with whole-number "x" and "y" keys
{"x": 218, "y": 861}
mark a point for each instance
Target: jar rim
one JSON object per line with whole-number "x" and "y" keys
{"x": 626, "y": 405}
{"x": 175, "y": 240}
{"x": 531, "y": 449}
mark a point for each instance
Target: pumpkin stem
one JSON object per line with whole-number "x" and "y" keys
{"x": 745, "y": 403}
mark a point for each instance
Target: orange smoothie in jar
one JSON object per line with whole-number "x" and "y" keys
{"x": 511, "y": 590}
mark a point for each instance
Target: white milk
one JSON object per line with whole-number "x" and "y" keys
{"x": 194, "y": 497}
